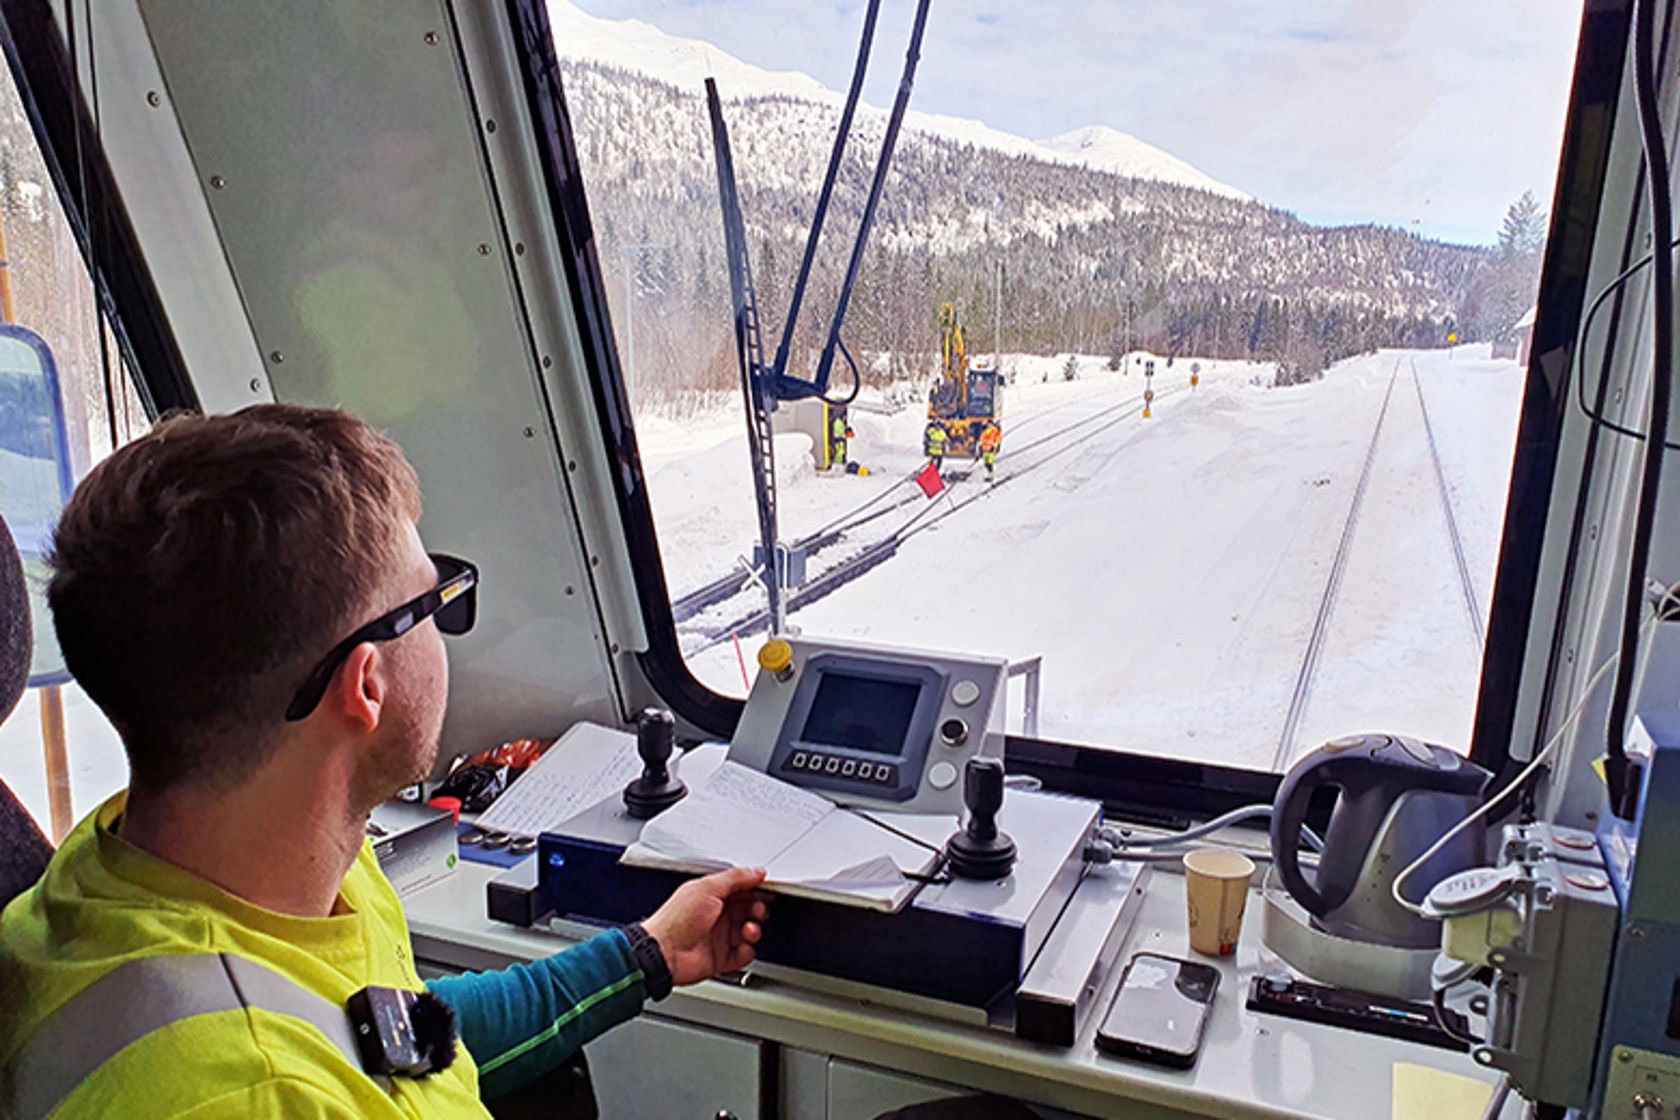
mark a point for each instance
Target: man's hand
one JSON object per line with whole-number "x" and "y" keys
{"x": 709, "y": 926}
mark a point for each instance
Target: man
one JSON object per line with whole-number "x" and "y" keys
{"x": 247, "y": 599}
{"x": 839, "y": 433}
{"x": 991, "y": 441}
{"x": 936, "y": 437}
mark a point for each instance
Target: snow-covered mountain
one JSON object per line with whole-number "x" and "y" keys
{"x": 1105, "y": 149}
{"x": 1104, "y": 243}
{"x": 642, "y": 48}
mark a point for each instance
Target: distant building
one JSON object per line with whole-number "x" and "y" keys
{"x": 1524, "y": 330}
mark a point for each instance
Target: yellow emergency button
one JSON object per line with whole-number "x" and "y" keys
{"x": 776, "y": 658}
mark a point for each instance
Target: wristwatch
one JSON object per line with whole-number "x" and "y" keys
{"x": 656, "y": 973}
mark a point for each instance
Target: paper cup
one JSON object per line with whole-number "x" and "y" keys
{"x": 1216, "y": 886}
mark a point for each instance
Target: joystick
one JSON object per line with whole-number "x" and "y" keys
{"x": 980, "y": 851}
{"x": 655, "y": 791}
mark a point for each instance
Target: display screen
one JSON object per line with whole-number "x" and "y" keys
{"x": 862, "y": 713}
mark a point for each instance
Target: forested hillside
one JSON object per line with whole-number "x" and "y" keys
{"x": 1090, "y": 260}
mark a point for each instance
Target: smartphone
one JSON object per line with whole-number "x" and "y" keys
{"x": 1160, "y": 1011}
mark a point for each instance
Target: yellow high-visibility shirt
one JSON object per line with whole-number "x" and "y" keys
{"x": 103, "y": 902}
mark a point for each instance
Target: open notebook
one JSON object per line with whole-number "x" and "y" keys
{"x": 808, "y": 845}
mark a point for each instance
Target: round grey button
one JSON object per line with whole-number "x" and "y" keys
{"x": 942, "y": 775}
{"x": 964, "y": 693}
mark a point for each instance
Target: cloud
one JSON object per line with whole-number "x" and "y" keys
{"x": 1427, "y": 114}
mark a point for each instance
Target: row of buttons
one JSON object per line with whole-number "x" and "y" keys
{"x": 844, "y": 767}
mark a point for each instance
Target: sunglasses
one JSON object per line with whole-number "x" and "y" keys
{"x": 453, "y": 603}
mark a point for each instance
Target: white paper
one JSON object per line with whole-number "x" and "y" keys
{"x": 742, "y": 818}
{"x": 589, "y": 763}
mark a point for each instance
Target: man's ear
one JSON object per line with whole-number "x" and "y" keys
{"x": 359, "y": 689}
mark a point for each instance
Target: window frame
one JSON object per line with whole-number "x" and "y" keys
{"x": 1130, "y": 782}
{"x": 63, "y": 124}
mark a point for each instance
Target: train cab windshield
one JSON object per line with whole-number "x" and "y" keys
{"x": 1182, "y": 367}
{"x": 947, "y": 469}
{"x": 1258, "y": 293}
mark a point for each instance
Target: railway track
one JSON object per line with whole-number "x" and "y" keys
{"x": 1332, "y": 588}
{"x": 1066, "y": 439}
{"x": 1471, "y": 610}
{"x": 741, "y": 579}
{"x": 1313, "y": 653}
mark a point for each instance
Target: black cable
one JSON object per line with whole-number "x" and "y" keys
{"x": 888, "y": 142}
{"x": 1662, "y": 337}
{"x": 1593, "y": 309}
{"x": 857, "y": 378}
{"x": 1439, "y": 1002}
{"x": 895, "y": 830}
{"x": 778, "y": 366}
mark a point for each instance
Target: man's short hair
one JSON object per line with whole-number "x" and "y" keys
{"x": 201, "y": 571}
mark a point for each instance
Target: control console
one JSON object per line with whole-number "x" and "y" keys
{"x": 871, "y": 726}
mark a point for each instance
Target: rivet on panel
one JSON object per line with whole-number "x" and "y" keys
{"x": 276, "y": 357}
{"x": 519, "y": 248}
{"x": 530, "y": 433}
{"x": 489, "y": 126}
{"x": 256, "y": 384}
{"x": 153, "y": 98}
{"x": 615, "y": 648}
{"x": 547, "y": 361}
{"x": 431, "y": 38}
{"x": 217, "y": 182}
{"x": 483, "y": 249}
{"x": 571, "y": 591}
{"x": 571, "y": 464}
{"x": 594, "y": 561}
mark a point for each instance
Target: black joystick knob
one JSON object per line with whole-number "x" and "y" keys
{"x": 655, "y": 791}
{"x": 980, "y": 851}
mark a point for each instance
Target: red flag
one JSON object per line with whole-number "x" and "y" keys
{"x": 930, "y": 482}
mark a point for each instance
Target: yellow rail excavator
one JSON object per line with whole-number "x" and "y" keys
{"x": 964, "y": 400}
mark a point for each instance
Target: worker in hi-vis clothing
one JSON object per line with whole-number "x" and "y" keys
{"x": 991, "y": 442}
{"x": 838, "y": 433}
{"x": 247, "y": 599}
{"x": 936, "y": 446}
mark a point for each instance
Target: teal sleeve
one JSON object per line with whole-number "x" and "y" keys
{"x": 520, "y": 1022}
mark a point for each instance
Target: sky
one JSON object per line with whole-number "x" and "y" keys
{"x": 1429, "y": 115}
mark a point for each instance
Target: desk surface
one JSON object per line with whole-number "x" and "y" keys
{"x": 1251, "y": 1067}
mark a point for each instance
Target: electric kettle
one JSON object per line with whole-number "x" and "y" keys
{"x": 1398, "y": 796}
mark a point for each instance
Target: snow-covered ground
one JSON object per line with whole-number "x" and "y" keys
{"x": 1169, "y": 570}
